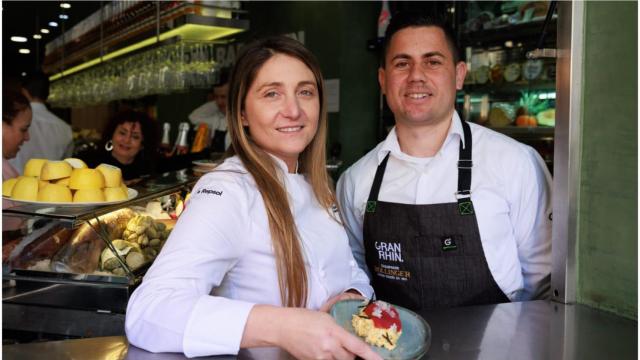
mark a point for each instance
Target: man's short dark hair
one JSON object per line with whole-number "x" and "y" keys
{"x": 37, "y": 84}
{"x": 405, "y": 19}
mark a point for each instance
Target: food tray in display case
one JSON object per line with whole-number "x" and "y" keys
{"x": 150, "y": 189}
{"x": 131, "y": 194}
{"x": 85, "y": 258}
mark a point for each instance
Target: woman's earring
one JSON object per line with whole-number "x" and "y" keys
{"x": 109, "y": 145}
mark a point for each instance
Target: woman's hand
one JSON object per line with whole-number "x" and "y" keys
{"x": 305, "y": 334}
{"x": 348, "y": 295}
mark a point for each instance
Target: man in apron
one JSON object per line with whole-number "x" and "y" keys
{"x": 213, "y": 114}
{"x": 444, "y": 213}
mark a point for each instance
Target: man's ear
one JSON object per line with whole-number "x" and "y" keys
{"x": 381, "y": 79}
{"x": 461, "y": 72}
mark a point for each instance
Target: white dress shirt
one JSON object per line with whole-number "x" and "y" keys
{"x": 209, "y": 113}
{"x": 49, "y": 138}
{"x": 218, "y": 262}
{"x": 510, "y": 190}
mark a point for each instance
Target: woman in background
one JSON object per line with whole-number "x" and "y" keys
{"x": 130, "y": 143}
{"x": 260, "y": 247}
{"x": 16, "y": 119}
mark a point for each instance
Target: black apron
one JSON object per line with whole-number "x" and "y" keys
{"x": 428, "y": 256}
{"x": 217, "y": 141}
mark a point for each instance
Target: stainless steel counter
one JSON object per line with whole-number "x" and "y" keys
{"x": 529, "y": 330}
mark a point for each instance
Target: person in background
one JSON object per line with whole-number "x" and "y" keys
{"x": 51, "y": 137}
{"x": 444, "y": 213}
{"x": 260, "y": 246}
{"x": 16, "y": 120}
{"x": 213, "y": 114}
{"x": 130, "y": 142}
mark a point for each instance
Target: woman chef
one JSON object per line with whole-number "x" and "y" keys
{"x": 260, "y": 246}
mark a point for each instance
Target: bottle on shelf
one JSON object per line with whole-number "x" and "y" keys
{"x": 383, "y": 19}
{"x": 165, "y": 143}
{"x": 201, "y": 140}
{"x": 182, "y": 146}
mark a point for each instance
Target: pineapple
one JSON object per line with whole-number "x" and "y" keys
{"x": 529, "y": 106}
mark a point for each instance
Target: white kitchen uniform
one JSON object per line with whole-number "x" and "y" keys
{"x": 49, "y": 138}
{"x": 209, "y": 113}
{"x": 218, "y": 262}
{"x": 510, "y": 190}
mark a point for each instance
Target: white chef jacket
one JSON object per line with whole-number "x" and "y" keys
{"x": 49, "y": 138}
{"x": 510, "y": 190}
{"x": 218, "y": 262}
{"x": 209, "y": 113}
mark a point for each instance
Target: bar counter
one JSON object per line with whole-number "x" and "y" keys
{"x": 528, "y": 330}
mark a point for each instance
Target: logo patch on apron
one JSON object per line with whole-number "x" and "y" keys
{"x": 465, "y": 207}
{"x": 371, "y": 206}
{"x": 448, "y": 243}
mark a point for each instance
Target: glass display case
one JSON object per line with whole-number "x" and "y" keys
{"x": 70, "y": 270}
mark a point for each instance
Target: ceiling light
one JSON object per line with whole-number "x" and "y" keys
{"x": 44, "y": 31}
{"x": 65, "y": 5}
{"x": 24, "y": 51}
{"x": 63, "y": 16}
{"x": 37, "y": 36}
{"x": 24, "y": 73}
{"x": 18, "y": 39}
{"x": 53, "y": 24}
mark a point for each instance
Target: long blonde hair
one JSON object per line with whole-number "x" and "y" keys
{"x": 292, "y": 275}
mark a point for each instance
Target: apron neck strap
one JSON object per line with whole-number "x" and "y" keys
{"x": 464, "y": 169}
{"x": 377, "y": 180}
{"x": 464, "y": 163}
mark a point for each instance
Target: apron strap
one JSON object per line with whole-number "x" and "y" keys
{"x": 464, "y": 173}
{"x": 464, "y": 176}
{"x": 375, "y": 187}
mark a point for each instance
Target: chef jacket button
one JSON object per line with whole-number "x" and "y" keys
{"x": 352, "y": 263}
{"x": 322, "y": 273}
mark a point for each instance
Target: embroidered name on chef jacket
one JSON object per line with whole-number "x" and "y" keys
{"x": 210, "y": 192}
{"x": 389, "y": 251}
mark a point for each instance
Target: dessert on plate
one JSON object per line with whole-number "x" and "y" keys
{"x": 378, "y": 322}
